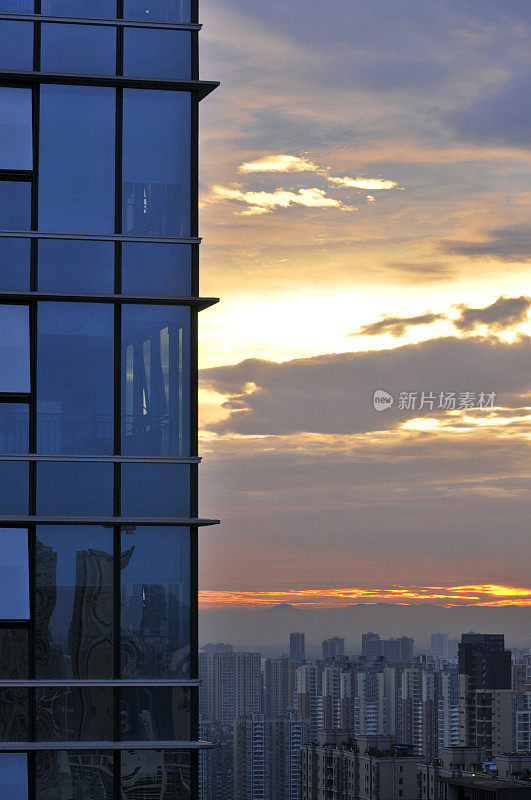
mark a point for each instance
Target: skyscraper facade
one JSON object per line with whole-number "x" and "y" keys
{"x": 297, "y": 648}
{"x": 98, "y": 410}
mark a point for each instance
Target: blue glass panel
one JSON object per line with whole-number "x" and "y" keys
{"x": 14, "y": 653}
{"x": 94, "y": 9}
{"x": 76, "y": 169}
{"x": 16, "y": 45}
{"x": 14, "y": 428}
{"x": 157, "y": 10}
{"x": 157, "y": 53}
{"x": 14, "y": 488}
{"x": 162, "y": 270}
{"x": 155, "y": 380}
{"x": 74, "y": 602}
{"x": 155, "y": 714}
{"x": 14, "y": 349}
{"x": 75, "y": 378}
{"x": 15, "y": 264}
{"x": 14, "y": 573}
{"x": 15, "y": 205}
{"x": 155, "y": 490}
{"x": 74, "y": 714}
{"x": 155, "y": 593}
{"x": 76, "y": 266}
{"x": 16, "y": 6}
{"x": 74, "y": 489}
{"x": 156, "y": 163}
{"x": 16, "y": 149}
{"x": 58, "y": 774}
{"x": 14, "y": 776}
{"x": 78, "y": 49}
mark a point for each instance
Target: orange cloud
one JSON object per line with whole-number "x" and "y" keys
{"x": 279, "y": 163}
{"x": 265, "y": 202}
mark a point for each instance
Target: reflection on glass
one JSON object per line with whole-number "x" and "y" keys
{"x": 76, "y": 167}
{"x": 14, "y": 349}
{"x": 14, "y": 428}
{"x": 15, "y": 205}
{"x": 155, "y": 490}
{"x": 16, "y": 44}
{"x": 74, "y": 714}
{"x": 14, "y": 574}
{"x": 155, "y": 714}
{"x": 74, "y": 602}
{"x": 166, "y": 772}
{"x": 14, "y": 487}
{"x": 74, "y": 489}
{"x": 76, "y": 266}
{"x": 14, "y": 643}
{"x": 155, "y": 601}
{"x": 159, "y": 270}
{"x": 16, "y": 151}
{"x": 75, "y": 378}
{"x": 14, "y": 265}
{"x": 14, "y": 776}
{"x": 74, "y": 774}
{"x": 156, "y": 163}
{"x": 87, "y": 49}
{"x": 156, "y": 380}
{"x": 94, "y": 9}
{"x": 157, "y": 53}
{"x": 157, "y": 10}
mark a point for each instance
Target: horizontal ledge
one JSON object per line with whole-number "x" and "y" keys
{"x": 200, "y": 303}
{"x": 100, "y": 237}
{"x": 104, "y": 745}
{"x": 99, "y": 459}
{"x": 111, "y": 683}
{"x": 203, "y": 88}
{"x": 185, "y": 522}
{"x": 124, "y": 23}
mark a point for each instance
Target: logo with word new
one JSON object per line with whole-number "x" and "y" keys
{"x": 382, "y": 400}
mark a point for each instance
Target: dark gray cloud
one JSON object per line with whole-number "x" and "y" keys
{"x": 397, "y": 326}
{"x": 503, "y": 313}
{"x": 512, "y": 243}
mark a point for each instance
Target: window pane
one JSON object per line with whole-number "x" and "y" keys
{"x": 155, "y": 714}
{"x": 14, "y": 776}
{"x": 152, "y": 53}
{"x": 74, "y": 266}
{"x": 14, "y": 349}
{"x": 14, "y": 649}
{"x": 14, "y": 715}
{"x": 16, "y": 6}
{"x": 14, "y": 573}
{"x": 16, "y": 45}
{"x": 162, "y": 270}
{"x": 74, "y": 490}
{"x": 74, "y": 602}
{"x": 75, "y": 378}
{"x": 15, "y": 205}
{"x": 155, "y": 388}
{"x": 15, "y": 128}
{"x": 15, "y": 265}
{"x": 155, "y": 596}
{"x": 14, "y": 488}
{"x": 166, "y": 772}
{"x": 94, "y": 9}
{"x": 87, "y": 775}
{"x": 156, "y": 163}
{"x": 155, "y": 490}
{"x": 78, "y": 49}
{"x": 14, "y": 428}
{"x": 76, "y": 170}
{"x": 157, "y": 10}
{"x": 74, "y": 714}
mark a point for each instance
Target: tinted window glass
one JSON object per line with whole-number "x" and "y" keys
{"x": 13, "y": 715}
{"x": 14, "y": 349}
{"x": 75, "y": 378}
{"x": 155, "y": 593}
{"x": 15, "y": 205}
{"x": 74, "y": 602}
{"x": 155, "y": 490}
{"x": 14, "y": 776}
{"x": 16, "y": 45}
{"x": 155, "y": 388}
{"x": 14, "y": 573}
{"x": 156, "y": 163}
{"x": 14, "y": 427}
{"x": 155, "y": 714}
{"x": 152, "y": 53}
{"x": 74, "y": 714}
{"x": 14, "y": 264}
{"x": 14, "y": 487}
{"x": 99, "y": 9}
{"x": 74, "y": 490}
{"x": 159, "y": 769}
{"x": 16, "y": 6}
{"x": 14, "y": 643}
{"x": 15, "y": 128}
{"x": 78, "y": 48}
{"x": 162, "y": 270}
{"x": 76, "y": 171}
{"x": 70, "y": 266}
{"x": 85, "y": 774}
{"x": 157, "y": 10}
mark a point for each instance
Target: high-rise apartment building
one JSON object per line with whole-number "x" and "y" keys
{"x": 400, "y": 649}
{"x": 333, "y": 647}
{"x": 98, "y": 402}
{"x": 231, "y": 686}
{"x": 297, "y": 647}
{"x": 279, "y": 685}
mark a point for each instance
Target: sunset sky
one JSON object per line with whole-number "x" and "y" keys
{"x": 365, "y": 213}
